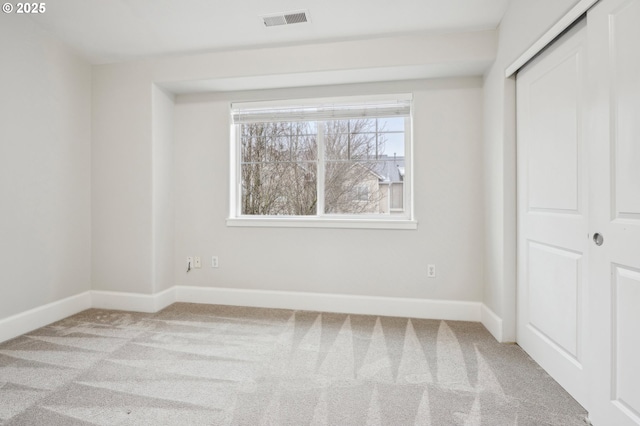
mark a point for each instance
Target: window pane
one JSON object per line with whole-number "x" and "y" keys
{"x": 332, "y": 127}
{"x": 278, "y": 148}
{"x": 336, "y": 146}
{"x": 279, "y": 189}
{"x": 304, "y": 148}
{"x": 256, "y": 140}
{"x": 350, "y": 139}
{"x": 305, "y": 128}
{"x": 391, "y": 124}
{"x": 362, "y": 125}
{"x": 352, "y": 188}
{"x": 390, "y": 169}
{"x": 253, "y": 149}
{"x": 280, "y": 128}
{"x": 391, "y": 144}
{"x": 278, "y": 142}
{"x": 362, "y": 146}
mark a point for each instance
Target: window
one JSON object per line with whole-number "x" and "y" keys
{"x": 361, "y": 193}
{"x": 302, "y": 163}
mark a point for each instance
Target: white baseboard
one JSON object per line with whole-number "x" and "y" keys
{"x": 338, "y": 303}
{"x": 32, "y": 319}
{"x": 135, "y": 302}
{"x": 491, "y": 322}
{"x": 165, "y": 298}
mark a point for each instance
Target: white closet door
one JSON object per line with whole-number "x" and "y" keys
{"x": 614, "y": 57}
{"x": 552, "y": 210}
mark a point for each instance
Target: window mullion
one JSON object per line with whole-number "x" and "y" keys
{"x": 321, "y": 163}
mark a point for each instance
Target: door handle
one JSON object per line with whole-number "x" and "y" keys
{"x": 598, "y": 239}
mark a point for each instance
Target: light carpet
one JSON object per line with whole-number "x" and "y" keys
{"x": 196, "y": 364}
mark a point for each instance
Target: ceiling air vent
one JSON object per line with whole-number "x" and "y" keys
{"x": 287, "y": 18}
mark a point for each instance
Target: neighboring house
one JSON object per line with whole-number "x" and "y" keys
{"x": 392, "y": 185}
{"x": 379, "y": 188}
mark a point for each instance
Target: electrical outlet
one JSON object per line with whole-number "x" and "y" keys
{"x": 431, "y": 271}
{"x": 214, "y": 261}
{"x": 196, "y": 262}
{"x": 189, "y": 263}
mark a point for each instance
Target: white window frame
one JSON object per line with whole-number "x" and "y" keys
{"x": 322, "y": 220}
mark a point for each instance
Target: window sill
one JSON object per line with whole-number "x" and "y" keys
{"x": 275, "y": 222}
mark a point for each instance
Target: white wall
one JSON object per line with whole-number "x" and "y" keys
{"x": 448, "y": 206}
{"x": 163, "y": 175}
{"x": 126, "y": 250}
{"x": 121, "y": 190}
{"x": 45, "y": 225}
{"x": 524, "y": 22}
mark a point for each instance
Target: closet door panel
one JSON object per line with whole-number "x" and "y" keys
{"x": 614, "y": 210}
{"x": 552, "y": 204}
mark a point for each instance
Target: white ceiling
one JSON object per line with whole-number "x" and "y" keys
{"x": 118, "y": 30}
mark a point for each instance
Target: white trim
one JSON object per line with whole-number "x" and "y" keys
{"x": 336, "y": 100}
{"x": 492, "y": 322}
{"x": 407, "y": 186}
{"x": 451, "y": 310}
{"x": 268, "y": 111}
{"x": 165, "y": 298}
{"x": 41, "y": 316}
{"x": 301, "y": 222}
{"x": 234, "y": 170}
{"x": 134, "y": 302}
{"x": 565, "y": 22}
{"x": 320, "y": 173}
{"x": 338, "y": 303}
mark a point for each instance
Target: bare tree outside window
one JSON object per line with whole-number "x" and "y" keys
{"x": 279, "y": 168}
